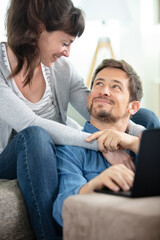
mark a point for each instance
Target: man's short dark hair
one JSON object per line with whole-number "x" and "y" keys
{"x": 135, "y": 84}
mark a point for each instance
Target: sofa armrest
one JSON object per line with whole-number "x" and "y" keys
{"x": 101, "y": 216}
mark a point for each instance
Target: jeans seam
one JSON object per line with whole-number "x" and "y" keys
{"x": 31, "y": 186}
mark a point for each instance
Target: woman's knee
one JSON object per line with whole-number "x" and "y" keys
{"x": 37, "y": 137}
{"x": 35, "y": 149}
{"x": 35, "y": 132}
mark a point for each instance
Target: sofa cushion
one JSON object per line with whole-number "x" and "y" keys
{"x": 14, "y": 221}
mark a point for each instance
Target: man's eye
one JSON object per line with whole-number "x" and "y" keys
{"x": 99, "y": 83}
{"x": 65, "y": 44}
{"x": 116, "y": 86}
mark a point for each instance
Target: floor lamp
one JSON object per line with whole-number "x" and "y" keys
{"x": 103, "y": 44}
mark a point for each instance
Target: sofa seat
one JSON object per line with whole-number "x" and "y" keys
{"x": 14, "y": 221}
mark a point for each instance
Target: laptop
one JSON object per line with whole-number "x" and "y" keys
{"x": 147, "y": 175}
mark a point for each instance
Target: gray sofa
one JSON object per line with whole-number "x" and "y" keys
{"x": 88, "y": 217}
{"x": 14, "y": 221}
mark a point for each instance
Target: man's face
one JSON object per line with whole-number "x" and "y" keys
{"x": 109, "y": 98}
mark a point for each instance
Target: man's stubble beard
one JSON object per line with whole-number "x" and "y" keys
{"x": 106, "y": 116}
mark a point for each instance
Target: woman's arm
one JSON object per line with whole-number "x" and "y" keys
{"x": 18, "y": 116}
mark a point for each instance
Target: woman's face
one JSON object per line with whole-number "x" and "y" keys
{"x": 53, "y": 45}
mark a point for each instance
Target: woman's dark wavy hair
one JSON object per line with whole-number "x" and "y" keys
{"x": 23, "y": 20}
{"x": 135, "y": 84}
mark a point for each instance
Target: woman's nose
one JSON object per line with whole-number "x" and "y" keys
{"x": 66, "y": 51}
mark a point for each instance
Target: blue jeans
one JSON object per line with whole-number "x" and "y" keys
{"x": 30, "y": 157}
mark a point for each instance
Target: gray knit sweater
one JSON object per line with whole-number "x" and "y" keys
{"x": 67, "y": 86}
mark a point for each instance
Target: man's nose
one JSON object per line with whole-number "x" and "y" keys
{"x": 66, "y": 51}
{"x": 105, "y": 90}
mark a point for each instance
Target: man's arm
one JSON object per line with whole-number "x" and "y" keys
{"x": 115, "y": 178}
{"x": 70, "y": 161}
{"x": 70, "y": 174}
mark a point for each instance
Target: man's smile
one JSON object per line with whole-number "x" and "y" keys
{"x": 103, "y": 100}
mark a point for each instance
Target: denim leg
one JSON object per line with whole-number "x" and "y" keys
{"x": 8, "y": 162}
{"x": 146, "y": 118}
{"x": 32, "y": 158}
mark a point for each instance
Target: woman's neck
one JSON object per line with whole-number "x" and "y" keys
{"x": 11, "y": 58}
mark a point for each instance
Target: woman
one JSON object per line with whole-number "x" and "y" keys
{"x": 36, "y": 85}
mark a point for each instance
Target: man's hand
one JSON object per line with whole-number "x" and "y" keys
{"x": 112, "y": 140}
{"x": 115, "y": 178}
{"x": 118, "y": 157}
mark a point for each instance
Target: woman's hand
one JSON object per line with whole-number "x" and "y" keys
{"x": 112, "y": 140}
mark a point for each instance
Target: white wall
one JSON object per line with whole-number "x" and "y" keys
{"x": 3, "y": 7}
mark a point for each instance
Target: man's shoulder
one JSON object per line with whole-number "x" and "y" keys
{"x": 65, "y": 147}
{"x": 69, "y": 148}
{"x": 70, "y": 155}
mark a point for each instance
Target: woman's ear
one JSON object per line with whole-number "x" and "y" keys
{"x": 41, "y": 28}
{"x": 133, "y": 107}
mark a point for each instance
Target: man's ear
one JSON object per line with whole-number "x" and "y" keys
{"x": 133, "y": 107}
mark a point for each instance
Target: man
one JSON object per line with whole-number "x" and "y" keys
{"x": 115, "y": 96}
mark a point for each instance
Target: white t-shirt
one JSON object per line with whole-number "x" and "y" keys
{"x": 46, "y": 107}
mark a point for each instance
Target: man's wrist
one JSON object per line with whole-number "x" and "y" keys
{"x": 88, "y": 188}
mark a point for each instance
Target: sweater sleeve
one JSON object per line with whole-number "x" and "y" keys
{"x": 135, "y": 129}
{"x": 69, "y": 88}
{"x": 78, "y": 93}
{"x": 18, "y": 116}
